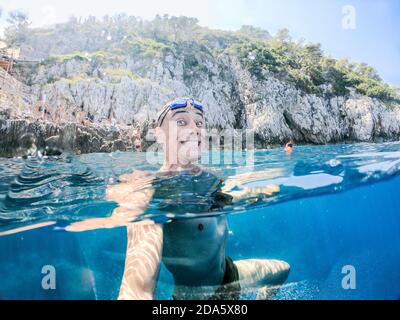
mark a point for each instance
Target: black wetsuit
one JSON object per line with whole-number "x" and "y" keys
{"x": 185, "y": 240}
{"x": 187, "y": 193}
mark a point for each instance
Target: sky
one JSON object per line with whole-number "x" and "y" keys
{"x": 360, "y": 30}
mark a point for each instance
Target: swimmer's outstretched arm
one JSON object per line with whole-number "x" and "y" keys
{"x": 235, "y": 185}
{"x": 142, "y": 262}
{"x": 144, "y": 238}
{"x": 132, "y": 195}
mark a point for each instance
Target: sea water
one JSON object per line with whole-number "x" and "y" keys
{"x": 336, "y": 221}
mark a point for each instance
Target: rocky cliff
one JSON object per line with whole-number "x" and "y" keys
{"x": 24, "y": 132}
{"x": 127, "y": 73}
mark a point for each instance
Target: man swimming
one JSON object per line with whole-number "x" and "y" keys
{"x": 193, "y": 250}
{"x": 289, "y": 147}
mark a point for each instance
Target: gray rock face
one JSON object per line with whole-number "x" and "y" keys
{"x": 272, "y": 109}
{"x": 26, "y": 137}
{"x": 275, "y": 110}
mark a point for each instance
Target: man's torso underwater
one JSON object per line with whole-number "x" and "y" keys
{"x": 194, "y": 248}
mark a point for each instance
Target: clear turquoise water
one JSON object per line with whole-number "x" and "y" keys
{"x": 339, "y": 205}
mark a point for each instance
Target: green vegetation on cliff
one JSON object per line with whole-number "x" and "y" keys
{"x": 308, "y": 69}
{"x": 111, "y": 40}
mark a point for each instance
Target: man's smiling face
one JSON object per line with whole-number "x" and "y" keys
{"x": 182, "y": 132}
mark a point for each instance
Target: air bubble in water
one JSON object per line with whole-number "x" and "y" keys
{"x": 334, "y": 162}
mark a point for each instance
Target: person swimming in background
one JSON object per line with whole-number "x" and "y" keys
{"x": 193, "y": 250}
{"x": 289, "y": 147}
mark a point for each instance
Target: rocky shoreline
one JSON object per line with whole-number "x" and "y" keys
{"x": 24, "y": 137}
{"x": 20, "y": 138}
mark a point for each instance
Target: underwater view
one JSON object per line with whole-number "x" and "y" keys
{"x": 330, "y": 212}
{"x": 196, "y": 152}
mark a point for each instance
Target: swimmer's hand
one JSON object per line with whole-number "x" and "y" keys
{"x": 132, "y": 195}
{"x": 257, "y": 193}
{"x": 235, "y": 185}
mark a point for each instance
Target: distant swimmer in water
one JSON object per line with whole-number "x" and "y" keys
{"x": 193, "y": 250}
{"x": 289, "y": 147}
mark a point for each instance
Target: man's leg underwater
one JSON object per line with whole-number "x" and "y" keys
{"x": 263, "y": 274}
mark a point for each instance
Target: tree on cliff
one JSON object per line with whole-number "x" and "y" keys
{"x": 16, "y": 32}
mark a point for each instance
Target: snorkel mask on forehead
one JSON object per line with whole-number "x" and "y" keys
{"x": 178, "y": 104}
